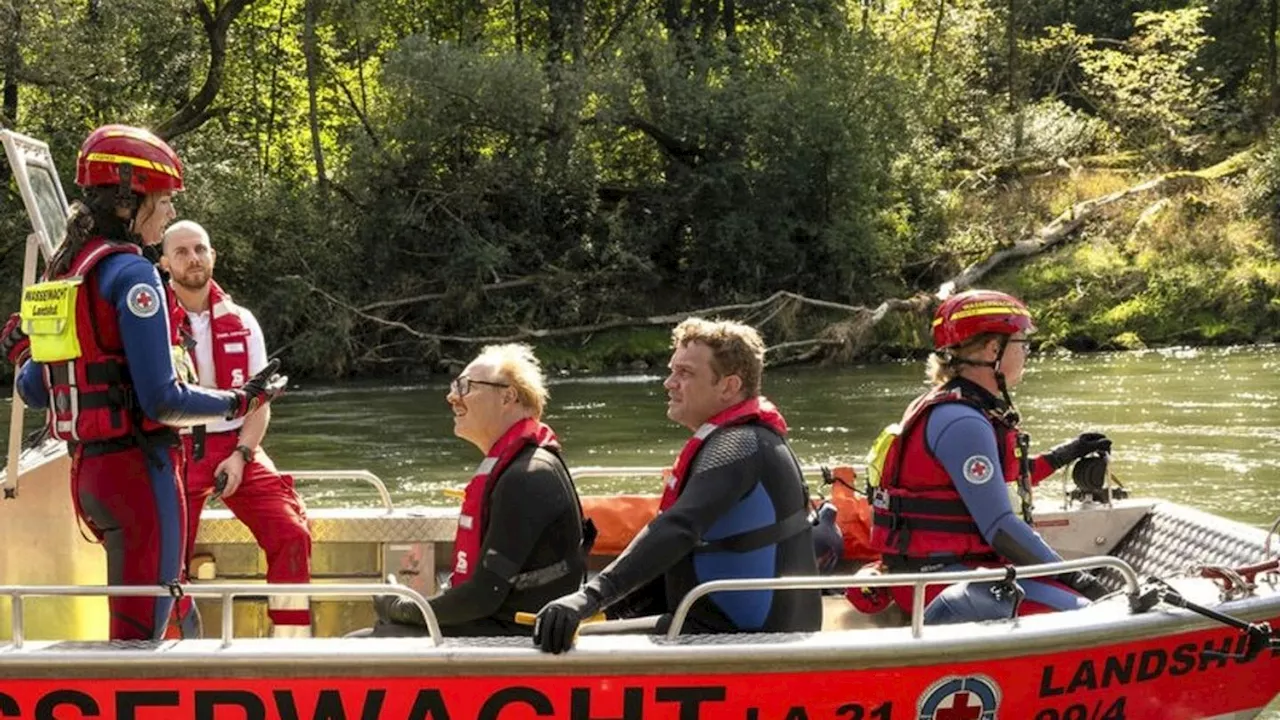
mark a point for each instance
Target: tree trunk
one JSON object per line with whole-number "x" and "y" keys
{"x": 708, "y": 13}
{"x": 729, "y": 15}
{"x": 12, "y": 67}
{"x": 933, "y": 43}
{"x": 1272, "y": 18}
{"x": 198, "y": 109}
{"x": 364, "y": 93}
{"x": 313, "y": 62}
{"x": 1015, "y": 105}
{"x": 276, "y": 53}
{"x": 566, "y": 51}
{"x": 518, "y": 24}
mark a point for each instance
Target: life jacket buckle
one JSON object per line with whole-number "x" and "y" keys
{"x": 882, "y": 500}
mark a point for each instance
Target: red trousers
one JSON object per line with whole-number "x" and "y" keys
{"x": 132, "y": 502}
{"x": 266, "y": 503}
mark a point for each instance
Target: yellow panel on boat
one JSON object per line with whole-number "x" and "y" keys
{"x": 41, "y": 544}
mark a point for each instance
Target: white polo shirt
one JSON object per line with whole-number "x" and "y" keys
{"x": 204, "y": 356}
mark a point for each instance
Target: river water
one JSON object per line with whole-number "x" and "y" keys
{"x": 1198, "y": 426}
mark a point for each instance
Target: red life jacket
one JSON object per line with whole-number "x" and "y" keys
{"x": 228, "y": 332}
{"x": 92, "y": 398}
{"x": 756, "y": 409}
{"x": 753, "y": 410}
{"x": 917, "y": 513}
{"x": 473, "y": 519}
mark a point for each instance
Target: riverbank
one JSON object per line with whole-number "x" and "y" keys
{"x": 1179, "y": 269}
{"x": 1187, "y": 269}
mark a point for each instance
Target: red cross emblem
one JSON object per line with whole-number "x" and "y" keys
{"x": 142, "y": 300}
{"x": 978, "y": 469}
{"x": 975, "y": 697}
{"x": 957, "y": 707}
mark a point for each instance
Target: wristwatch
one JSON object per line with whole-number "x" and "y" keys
{"x": 246, "y": 452}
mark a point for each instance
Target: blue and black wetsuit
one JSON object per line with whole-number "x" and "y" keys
{"x": 744, "y": 478}
{"x": 956, "y": 433}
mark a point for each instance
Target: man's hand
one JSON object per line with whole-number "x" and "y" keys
{"x": 260, "y": 390}
{"x": 1075, "y": 449}
{"x": 1085, "y": 583}
{"x": 399, "y": 610}
{"x": 14, "y": 342}
{"x": 558, "y": 620}
{"x": 233, "y": 466}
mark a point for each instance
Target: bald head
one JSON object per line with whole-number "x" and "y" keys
{"x": 186, "y": 229}
{"x": 188, "y": 255}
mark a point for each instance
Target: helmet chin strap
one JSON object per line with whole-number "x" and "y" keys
{"x": 1001, "y": 382}
{"x": 126, "y": 198}
{"x": 1000, "y": 379}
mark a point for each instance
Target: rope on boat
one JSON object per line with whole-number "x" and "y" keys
{"x": 1259, "y": 636}
{"x": 1266, "y": 547}
{"x": 1239, "y": 582}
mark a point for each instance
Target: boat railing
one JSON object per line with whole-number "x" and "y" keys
{"x": 657, "y": 470}
{"x": 586, "y": 472}
{"x": 227, "y": 592}
{"x": 918, "y": 582}
{"x": 364, "y": 475}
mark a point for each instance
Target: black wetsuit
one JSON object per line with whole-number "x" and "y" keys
{"x": 742, "y": 474}
{"x": 532, "y": 554}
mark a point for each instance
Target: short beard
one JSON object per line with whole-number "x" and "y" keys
{"x": 204, "y": 282}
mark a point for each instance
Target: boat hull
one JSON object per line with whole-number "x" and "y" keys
{"x": 780, "y": 678}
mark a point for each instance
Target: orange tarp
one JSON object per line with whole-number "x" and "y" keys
{"x": 853, "y": 515}
{"x": 619, "y": 517}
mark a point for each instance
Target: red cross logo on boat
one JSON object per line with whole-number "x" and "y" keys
{"x": 975, "y": 697}
{"x": 957, "y": 707}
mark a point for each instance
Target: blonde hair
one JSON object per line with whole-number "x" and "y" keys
{"x": 516, "y": 364}
{"x": 943, "y": 368}
{"x": 736, "y": 349}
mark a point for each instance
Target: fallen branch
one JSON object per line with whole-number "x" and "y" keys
{"x": 1073, "y": 217}
{"x": 842, "y": 340}
{"x": 504, "y": 285}
{"x": 782, "y": 296}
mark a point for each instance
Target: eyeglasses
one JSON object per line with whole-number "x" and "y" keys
{"x": 1024, "y": 342}
{"x": 461, "y": 385}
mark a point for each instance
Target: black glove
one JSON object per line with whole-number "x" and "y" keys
{"x": 260, "y": 390}
{"x": 1075, "y": 449}
{"x": 399, "y": 610}
{"x": 14, "y": 342}
{"x": 1085, "y": 583}
{"x": 558, "y": 620}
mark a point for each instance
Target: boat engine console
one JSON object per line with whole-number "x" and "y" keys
{"x": 1094, "y": 481}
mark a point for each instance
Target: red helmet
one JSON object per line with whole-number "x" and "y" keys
{"x": 156, "y": 166}
{"x": 974, "y": 312}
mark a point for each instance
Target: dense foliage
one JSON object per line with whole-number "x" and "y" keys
{"x": 381, "y": 177}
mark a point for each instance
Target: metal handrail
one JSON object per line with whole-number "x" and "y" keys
{"x": 365, "y": 475}
{"x": 918, "y": 581}
{"x": 631, "y": 470}
{"x": 18, "y": 593}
